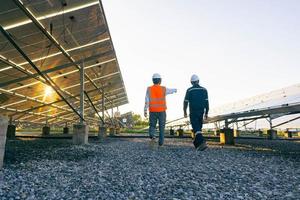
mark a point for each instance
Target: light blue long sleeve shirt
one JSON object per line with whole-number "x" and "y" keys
{"x": 147, "y": 98}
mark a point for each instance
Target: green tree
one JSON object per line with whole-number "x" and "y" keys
{"x": 138, "y": 121}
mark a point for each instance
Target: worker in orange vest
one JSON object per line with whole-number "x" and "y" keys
{"x": 156, "y": 102}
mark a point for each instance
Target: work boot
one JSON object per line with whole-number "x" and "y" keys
{"x": 202, "y": 146}
{"x": 198, "y": 139}
{"x": 152, "y": 138}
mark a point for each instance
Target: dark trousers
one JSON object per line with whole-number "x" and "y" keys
{"x": 196, "y": 119}
{"x": 161, "y": 118}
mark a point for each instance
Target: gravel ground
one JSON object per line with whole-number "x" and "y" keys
{"x": 138, "y": 169}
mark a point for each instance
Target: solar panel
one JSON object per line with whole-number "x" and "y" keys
{"x": 58, "y": 37}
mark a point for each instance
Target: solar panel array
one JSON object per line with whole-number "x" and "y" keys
{"x": 59, "y": 37}
{"x": 285, "y": 96}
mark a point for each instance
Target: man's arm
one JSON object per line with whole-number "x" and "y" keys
{"x": 206, "y": 104}
{"x": 185, "y": 103}
{"x": 146, "y": 102}
{"x": 170, "y": 91}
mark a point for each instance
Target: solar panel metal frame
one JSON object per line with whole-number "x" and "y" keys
{"x": 23, "y": 89}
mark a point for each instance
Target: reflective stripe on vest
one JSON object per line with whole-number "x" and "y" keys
{"x": 157, "y": 98}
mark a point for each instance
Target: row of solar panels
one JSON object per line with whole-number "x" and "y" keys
{"x": 58, "y": 37}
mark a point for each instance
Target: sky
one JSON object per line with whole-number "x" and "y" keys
{"x": 238, "y": 48}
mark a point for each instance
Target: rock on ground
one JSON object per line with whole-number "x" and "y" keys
{"x": 138, "y": 169}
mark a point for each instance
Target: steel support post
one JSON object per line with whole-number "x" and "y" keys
{"x": 80, "y": 131}
{"x": 103, "y": 106}
{"x": 81, "y": 93}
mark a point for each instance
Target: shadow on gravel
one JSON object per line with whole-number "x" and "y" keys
{"x": 21, "y": 151}
{"x": 288, "y": 148}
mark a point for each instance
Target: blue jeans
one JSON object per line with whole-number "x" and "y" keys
{"x": 161, "y": 117}
{"x": 196, "y": 119}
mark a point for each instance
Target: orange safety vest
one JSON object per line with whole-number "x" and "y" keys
{"x": 157, "y": 98}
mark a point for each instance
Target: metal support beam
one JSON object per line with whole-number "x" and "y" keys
{"x": 66, "y": 113}
{"x": 53, "y": 69}
{"x": 8, "y": 37}
{"x": 245, "y": 124}
{"x": 82, "y": 93}
{"x": 51, "y": 38}
{"x": 95, "y": 101}
{"x": 34, "y": 99}
{"x": 288, "y": 121}
{"x": 251, "y": 118}
{"x": 19, "y": 68}
{"x": 47, "y": 104}
{"x": 270, "y": 122}
{"x": 94, "y": 107}
{"x": 118, "y": 101}
{"x": 226, "y": 123}
{"x": 35, "y": 114}
{"x": 103, "y": 106}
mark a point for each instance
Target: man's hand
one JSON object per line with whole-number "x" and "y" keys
{"x": 185, "y": 115}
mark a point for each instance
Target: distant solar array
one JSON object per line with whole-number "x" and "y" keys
{"x": 43, "y": 45}
{"x": 272, "y": 105}
{"x": 284, "y": 96}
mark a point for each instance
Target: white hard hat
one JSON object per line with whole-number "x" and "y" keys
{"x": 156, "y": 75}
{"x": 194, "y": 78}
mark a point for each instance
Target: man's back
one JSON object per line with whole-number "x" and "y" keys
{"x": 197, "y": 98}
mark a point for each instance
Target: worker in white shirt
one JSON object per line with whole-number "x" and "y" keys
{"x": 156, "y": 102}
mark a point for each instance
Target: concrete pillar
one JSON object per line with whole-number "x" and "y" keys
{"x": 46, "y": 130}
{"x": 102, "y": 132}
{"x": 3, "y": 130}
{"x": 66, "y": 130}
{"x": 236, "y": 133}
{"x": 112, "y": 131}
{"x": 226, "y": 136}
{"x": 260, "y": 133}
{"x": 272, "y": 134}
{"x": 11, "y": 131}
{"x": 180, "y": 132}
{"x": 288, "y": 134}
{"x": 172, "y": 132}
{"x": 80, "y": 134}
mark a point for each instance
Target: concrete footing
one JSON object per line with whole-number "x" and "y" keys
{"x": 11, "y": 131}
{"x": 272, "y": 134}
{"x": 180, "y": 132}
{"x": 288, "y": 134}
{"x": 102, "y": 132}
{"x": 66, "y": 130}
{"x": 226, "y": 136}
{"x": 46, "y": 130}
{"x": 172, "y": 132}
{"x": 80, "y": 134}
{"x": 3, "y": 130}
{"x": 236, "y": 133}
